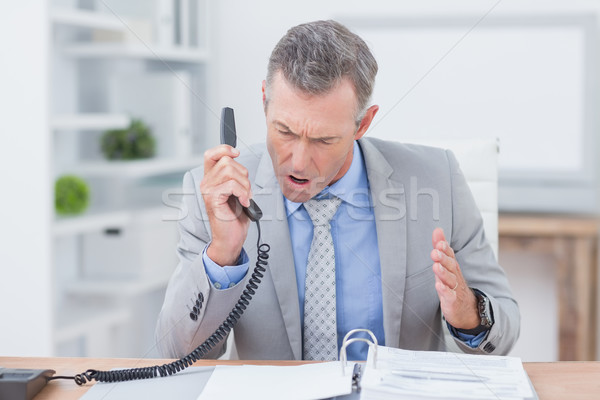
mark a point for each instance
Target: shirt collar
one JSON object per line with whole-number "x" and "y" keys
{"x": 352, "y": 188}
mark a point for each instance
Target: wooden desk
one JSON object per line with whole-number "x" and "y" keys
{"x": 559, "y": 380}
{"x": 573, "y": 243}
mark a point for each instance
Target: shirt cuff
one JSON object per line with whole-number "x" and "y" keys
{"x": 229, "y": 275}
{"x": 470, "y": 340}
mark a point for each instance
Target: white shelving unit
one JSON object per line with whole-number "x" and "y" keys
{"x": 137, "y": 168}
{"x": 112, "y": 263}
{"x": 79, "y": 321}
{"x": 117, "y": 287}
{"x": 66, "y": 226}
{"x": 89, "y": 121}
{"x": 139, "y": 51}
{"x": 87, "y": 19}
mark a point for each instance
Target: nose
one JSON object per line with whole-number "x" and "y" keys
{"x": 300, "y": 157}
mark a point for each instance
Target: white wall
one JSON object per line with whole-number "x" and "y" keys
{"x": 25, "y": 204}
{"x": 244, "y": 34}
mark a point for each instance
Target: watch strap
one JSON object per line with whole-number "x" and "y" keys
{"x": 475, "y": 331}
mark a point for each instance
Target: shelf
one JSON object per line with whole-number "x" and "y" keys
{"x": 99, "y": 221}
{"x": 135, "y": 168}
{"x": 117, "y": 287}
{"x": 86, "y": 19}
{"x": 75, "y": 321}
{"x": 119, "y": 50}
{"x": 97, "y": 122}
{"x": 91, "y": 222}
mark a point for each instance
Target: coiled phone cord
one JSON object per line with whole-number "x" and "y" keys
{"x": 200, "y": 351}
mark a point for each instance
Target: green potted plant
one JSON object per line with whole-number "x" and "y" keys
{"x": 71, "y": 195}
{"x": 132, "y": 143}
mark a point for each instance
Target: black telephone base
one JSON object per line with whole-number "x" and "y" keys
{"x": 22, "y": 384}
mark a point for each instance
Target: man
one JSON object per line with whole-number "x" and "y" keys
{"x": 402, "y": 244}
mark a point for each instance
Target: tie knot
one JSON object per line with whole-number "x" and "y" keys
{"x": 321, "y": 211}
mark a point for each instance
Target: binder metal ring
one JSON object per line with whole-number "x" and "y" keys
{"x": 346, "y": 342}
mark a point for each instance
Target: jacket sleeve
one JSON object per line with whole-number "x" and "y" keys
{"x": 179, "y": 328}
{"x": 480, "y": 268}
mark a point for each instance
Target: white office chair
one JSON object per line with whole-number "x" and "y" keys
{"x": 478, "y": 161}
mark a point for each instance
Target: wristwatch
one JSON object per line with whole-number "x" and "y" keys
{"x": 484, "y": 308}
{"x": 485, "y": 314}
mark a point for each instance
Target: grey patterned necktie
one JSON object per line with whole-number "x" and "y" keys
{"x": 320, "y": 322}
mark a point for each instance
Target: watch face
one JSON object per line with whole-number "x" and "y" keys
{"x": 486, "y": 322}
{"x": 484, "y": 311}
{"x": 484, "y": 308}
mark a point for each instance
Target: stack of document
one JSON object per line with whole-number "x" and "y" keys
{"x": 403, "y": 374}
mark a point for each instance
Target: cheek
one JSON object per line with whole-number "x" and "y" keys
{"x": 328, "y": 161}
{"x": 278, "y": 150}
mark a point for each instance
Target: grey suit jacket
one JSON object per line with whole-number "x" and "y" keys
{"x": 414, "y": 189}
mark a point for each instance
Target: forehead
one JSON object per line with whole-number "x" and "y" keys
{"x": 290, "y": 105}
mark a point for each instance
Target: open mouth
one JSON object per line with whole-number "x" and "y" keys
{"x": 298, "y": 180}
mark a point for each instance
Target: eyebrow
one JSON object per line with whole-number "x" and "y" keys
{"x": 283, "y": 126}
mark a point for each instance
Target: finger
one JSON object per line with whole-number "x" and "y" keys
{"x": 446, "y": 277}
{"x": 213, "y": 155}
{"x": 228, "y": 168}
{"x": 444, "y": 246}
{"x": 449, "y": 262}
{"x": 224, "y": 191}
{"x": 445, "y": 293}
{"x": 224, "y": 171}
{"x": 243, "y": 193}
{"x": 438, "y": 235}
{"x": 221, "y": 190}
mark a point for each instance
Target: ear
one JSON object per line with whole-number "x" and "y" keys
{"x": 366, "y": 121}
{"x": 264, "y": 94}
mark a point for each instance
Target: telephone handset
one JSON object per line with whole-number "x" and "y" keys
{"x": 228, "y": 136}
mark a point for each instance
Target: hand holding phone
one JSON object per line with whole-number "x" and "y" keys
{"x": 224, "y": 184}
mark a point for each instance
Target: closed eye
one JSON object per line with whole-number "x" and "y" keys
{"x": 325, "y": 140}
{"x": 286, "y": 134}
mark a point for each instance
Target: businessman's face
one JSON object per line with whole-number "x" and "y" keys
{"x": 310, "y": 137}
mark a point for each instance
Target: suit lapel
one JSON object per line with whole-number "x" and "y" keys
{"x": 389, "y": 203}
{"x": 276, "y": 233}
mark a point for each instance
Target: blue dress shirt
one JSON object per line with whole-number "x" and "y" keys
{"x": 358, "y": 274}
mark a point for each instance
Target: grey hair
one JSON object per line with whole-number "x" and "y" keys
{"x": 314, "y": 57}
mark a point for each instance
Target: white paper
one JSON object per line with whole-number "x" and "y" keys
{"x": 403, "y": 374}
{"x": 248, "y": 382}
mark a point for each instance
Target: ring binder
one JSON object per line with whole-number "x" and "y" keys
{"x": 409, "y": 374}
{"x": 347, "y": 341}
{"x": 357, "y": 371}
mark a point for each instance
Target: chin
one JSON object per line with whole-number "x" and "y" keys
{"x": 297, "y": 197}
